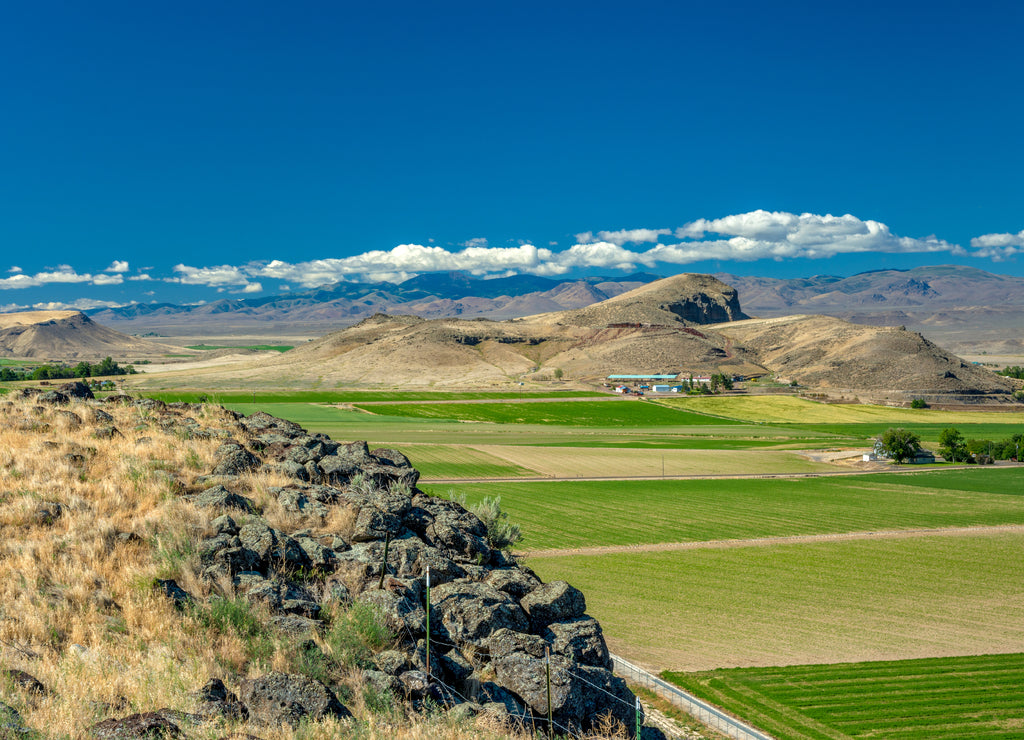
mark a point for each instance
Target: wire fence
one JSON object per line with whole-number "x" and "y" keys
{"x": 699, "y": 709}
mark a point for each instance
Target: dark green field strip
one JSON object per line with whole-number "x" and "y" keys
{"x": 254, "y": 347}
{"x": 979, "y": 696}
{"x": 986, "y": 479}
{"x": 590, "y": 513}
{"x": 263, "y": 397}
{"x": 604, "y": 414}
{"x": 929, "y": 433}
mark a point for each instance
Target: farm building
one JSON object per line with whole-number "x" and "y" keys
{"x": 662, "y": 388}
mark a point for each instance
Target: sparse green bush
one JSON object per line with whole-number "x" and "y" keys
{"x": 238, "y": 617}
{"x": 356, "y": 634}
{"x": 502, "y": 534}
{"x": 918, "y": 403}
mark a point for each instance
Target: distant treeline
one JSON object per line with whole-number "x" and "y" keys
{"x": 1015, "y": 371}
{"x": 58, "y": 372}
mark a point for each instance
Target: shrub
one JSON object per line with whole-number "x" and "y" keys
{"x": 502, "y": 534}
{"x": 356, "y": 634}
{"x": 918, "y": 403}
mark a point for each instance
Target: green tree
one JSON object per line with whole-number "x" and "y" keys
{"x": 900, "y": 444}
{"x": 83, "y": 369}
{"x": 952, "y": 445}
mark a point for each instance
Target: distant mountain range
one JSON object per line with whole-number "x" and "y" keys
{"x": 958, "y": 306}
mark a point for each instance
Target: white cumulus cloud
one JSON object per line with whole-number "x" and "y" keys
{"x": 210, "y": 276}
{"x": 998, "y": 247}
{"x": 118, "y": 266}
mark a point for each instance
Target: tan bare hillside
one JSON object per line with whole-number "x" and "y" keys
{"x": 680, "y": 325}
{"x": 70, "y": 335}
{"x": 829, "y": 353}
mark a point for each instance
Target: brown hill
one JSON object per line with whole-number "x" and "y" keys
{"x": 687, "y": 324}
{"x": 70, "y": 335}
{"x": 831, "y": 354}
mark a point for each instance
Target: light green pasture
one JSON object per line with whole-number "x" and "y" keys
{"x": 820, "y": 602}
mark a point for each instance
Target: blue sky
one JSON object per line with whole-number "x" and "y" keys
{"x": 192, "y": 151}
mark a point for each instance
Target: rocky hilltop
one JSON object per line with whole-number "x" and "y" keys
{"x": 263, "y": 544}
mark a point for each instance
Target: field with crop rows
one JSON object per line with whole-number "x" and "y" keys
{"x": 966, "y": 697}
{"x": 569, "y": 514}
{"x": 790, "y": 410}
{"x": 806, "y": 602}
{"x": 451, "y": 461}
{"x": 609, "y": 413}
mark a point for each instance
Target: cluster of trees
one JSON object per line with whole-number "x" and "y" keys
{"x": 1013, "y": 372}
{"x": 953, "y": 447}
{"x": 719, "y": 381}
{"x": 898, "y": 444}
{"x": 59, "y": 372}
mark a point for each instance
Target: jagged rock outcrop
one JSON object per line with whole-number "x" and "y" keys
{"x": 351, "y": 528}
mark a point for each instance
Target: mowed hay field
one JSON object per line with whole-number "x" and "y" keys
{"x": 570, "y": 514}
{"x": 965, "y": 697}
{"x": 586, "y": 462}
{"x": 814, "y": 602}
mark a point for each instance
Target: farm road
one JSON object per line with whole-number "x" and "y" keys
{"x": 885, "y": 534}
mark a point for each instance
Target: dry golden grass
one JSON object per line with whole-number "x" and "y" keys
{"x": 77, "y": 605}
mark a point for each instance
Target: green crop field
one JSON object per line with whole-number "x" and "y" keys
{"x": 611, "y": 413}
{"x": 255, "y": 347}
{"x": 806, "y": 602}
{"x": 264, "y": 397}
{"x": 568, "y": 514}
{"x": 450, "y": 461}
{"x": 965, "y": 697}
{"x": 929, "y": 433}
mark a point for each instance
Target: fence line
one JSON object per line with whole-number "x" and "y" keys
{"x": 709, "y": 715}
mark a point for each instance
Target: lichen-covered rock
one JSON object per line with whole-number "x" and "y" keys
{"x": 553, "y": 602}
{"x": 22, "y": 680}
{"x": 221, "y": 498}
{"x": 233, "y": 459}
{"x": 284, "y": 698}
{"x": 469, "y": 612}
{"x": 145, "y": 725}
{"x": 581, "y": 640}
{"x": 54, "y": 398}
{"x": 449, "y": 527}
{"x": 579, "y": 693}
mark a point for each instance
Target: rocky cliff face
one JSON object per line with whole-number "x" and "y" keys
{"x": 491, "y": 621}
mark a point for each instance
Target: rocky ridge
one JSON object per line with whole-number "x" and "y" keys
{"x": 492, "y": 622}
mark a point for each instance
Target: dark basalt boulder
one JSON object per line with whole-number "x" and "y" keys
{"x": 78, "y": 390}
{"x": 283, "y": 698}
{"x": 233, "y": 459}
{"x": 469, "y": 612}
{"x": 553, "y": 602}
{"x": 221, "y": 498}
{"x": 24, "y": 681}
{"x": 145, "y": 725}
